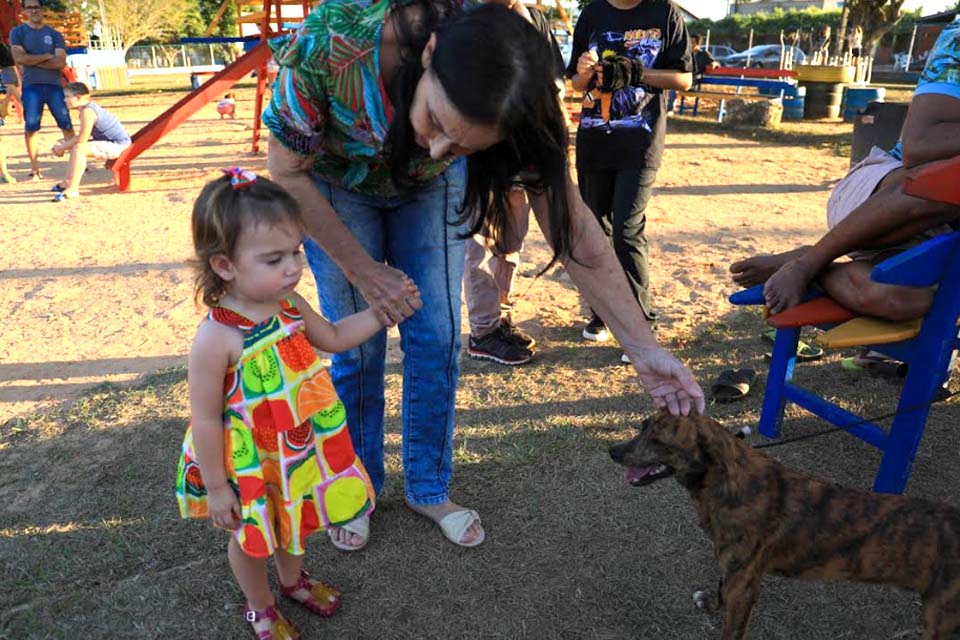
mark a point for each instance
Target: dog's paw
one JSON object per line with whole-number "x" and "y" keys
{"x": 706, "y": 600}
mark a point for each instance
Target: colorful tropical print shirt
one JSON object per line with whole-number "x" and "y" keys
{"x": 941, "y": 74}
{"x": 329, "y": 100}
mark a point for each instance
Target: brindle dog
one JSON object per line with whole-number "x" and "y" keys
{"x": 764, "y": 518}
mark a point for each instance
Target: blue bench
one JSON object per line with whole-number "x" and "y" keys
{"x": 767, "y": 88}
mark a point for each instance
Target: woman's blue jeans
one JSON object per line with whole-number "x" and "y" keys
{"x": 415, "y": 234}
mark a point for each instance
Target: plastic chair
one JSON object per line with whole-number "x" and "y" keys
{"x": 927, "y": 347}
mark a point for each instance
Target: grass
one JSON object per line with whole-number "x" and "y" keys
{"x": 91, "y": 544}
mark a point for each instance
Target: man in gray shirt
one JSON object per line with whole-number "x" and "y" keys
{"x": 41, "y": 52}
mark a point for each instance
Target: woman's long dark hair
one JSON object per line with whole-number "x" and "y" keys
{"x": 415, "y": 21}
{"x": 498, "y": 70}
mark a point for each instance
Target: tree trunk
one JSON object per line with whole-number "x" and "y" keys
{"x": 841, "y": 44}
{"x": 877, "y": 17}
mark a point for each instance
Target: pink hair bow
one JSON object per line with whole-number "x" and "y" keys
{"x": 240, "y": 178}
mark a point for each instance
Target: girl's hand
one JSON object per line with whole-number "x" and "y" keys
{"x": 223, "y": 507}
{"x": 386, "y": 291}
{"x": 587, "y": 62}
{"x": 668, "y": 381}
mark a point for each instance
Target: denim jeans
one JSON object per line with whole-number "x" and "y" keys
{"x": 37, "y": 95}
{"x": 414, "y": 234}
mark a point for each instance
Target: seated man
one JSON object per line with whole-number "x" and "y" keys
{"x": 869, "y": 216}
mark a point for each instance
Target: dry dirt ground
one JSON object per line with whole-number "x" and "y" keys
{"x": 98, "y": 289}
{"x": 99, "y": 318}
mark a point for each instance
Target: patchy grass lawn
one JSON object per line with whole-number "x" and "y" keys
{"x": 91, "y": 545}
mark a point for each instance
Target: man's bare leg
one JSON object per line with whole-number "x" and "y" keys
{"x": 75, "y": 168}
{"x": 849, "y": 284}
{"x": 756, "y": 269}
{"x": 31, "y": 139}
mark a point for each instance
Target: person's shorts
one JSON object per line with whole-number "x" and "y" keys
{"x": 37, "y": 95}
{"x": 855, "y": 188}
{"x": 8, "y": 75}
{"x": 104, "y": 150}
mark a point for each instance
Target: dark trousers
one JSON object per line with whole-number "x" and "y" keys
{"x": 618, "y": 198}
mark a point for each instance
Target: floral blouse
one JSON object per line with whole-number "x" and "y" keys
{"x": 329, "y": 100}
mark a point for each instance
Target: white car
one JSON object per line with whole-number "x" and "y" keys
{"x": 763, "y": 55}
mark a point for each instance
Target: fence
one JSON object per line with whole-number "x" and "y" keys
{"x": 158, "y": 57}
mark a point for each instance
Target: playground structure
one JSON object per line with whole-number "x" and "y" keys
{"x": 69, "y": 23}
{"x": 270, "y": 21}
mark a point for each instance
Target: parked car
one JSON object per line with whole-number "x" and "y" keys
{"x": 763, "y": 55}
{"x": 720, "y": 52}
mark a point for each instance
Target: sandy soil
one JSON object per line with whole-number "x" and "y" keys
{"x": 98, "y": 289}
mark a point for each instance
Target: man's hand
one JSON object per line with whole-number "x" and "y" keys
{"x": 587, "y": 63}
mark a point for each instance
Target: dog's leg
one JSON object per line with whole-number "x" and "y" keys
{"x": 739, "y": 594}
{"x": 709, "y": 601}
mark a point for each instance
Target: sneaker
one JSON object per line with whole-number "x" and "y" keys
{"x": 595, "y": 330}
{"x": 6, "y": 178}
{"x": 518, "y": 335}
{"x": 499, "y": 346}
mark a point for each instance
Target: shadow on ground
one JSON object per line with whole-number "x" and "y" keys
{"x": 91, "y": 544}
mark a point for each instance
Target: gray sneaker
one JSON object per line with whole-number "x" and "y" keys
{"x": 499, "y": 346}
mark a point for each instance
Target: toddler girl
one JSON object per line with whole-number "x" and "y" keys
{"x": 268, "y": 454}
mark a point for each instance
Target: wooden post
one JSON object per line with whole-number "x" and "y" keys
{"x": 913, "y": 39}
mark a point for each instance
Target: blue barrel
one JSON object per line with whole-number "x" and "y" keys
{"x": 793, "y": 99}
{"x": 856, "y": 99}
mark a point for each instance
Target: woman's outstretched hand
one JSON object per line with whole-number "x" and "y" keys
{"x": 668, "y": 381}
{"x": 388, "y": 291}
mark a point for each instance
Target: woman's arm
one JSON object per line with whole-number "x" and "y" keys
{"x": 210, "y": 357}
{"x": 382, "y": 286}
{"x": 600, "y": 279}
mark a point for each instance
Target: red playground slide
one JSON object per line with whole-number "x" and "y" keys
{"x": 212, "y": 89}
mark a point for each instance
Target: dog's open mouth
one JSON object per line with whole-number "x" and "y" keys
{"x": 640, "y": 476}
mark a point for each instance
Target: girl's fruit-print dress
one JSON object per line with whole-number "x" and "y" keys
{"x": 287, "y": 450}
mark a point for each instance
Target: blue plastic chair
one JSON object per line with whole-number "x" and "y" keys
{"x": 928, "y": 356}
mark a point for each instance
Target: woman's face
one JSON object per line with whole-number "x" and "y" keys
{"x": 438, "y": 126}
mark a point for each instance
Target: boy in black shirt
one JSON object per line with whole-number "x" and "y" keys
{"x": 642, "y": 48}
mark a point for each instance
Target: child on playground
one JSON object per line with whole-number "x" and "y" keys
{"x": 100, "y": 136}
{"x": 268, "y": 454}
{"x": 227, "y": 106}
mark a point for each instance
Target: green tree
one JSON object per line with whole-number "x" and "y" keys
{"x": 136, "y": 20}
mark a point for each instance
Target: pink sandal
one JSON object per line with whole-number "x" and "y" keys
{"x": 324, "y": 599}
{"x": 280, "y": 627}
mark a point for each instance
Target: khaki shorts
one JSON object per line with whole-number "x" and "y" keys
{"x": 856, "y": 187}
{"x": 103, "y": 150}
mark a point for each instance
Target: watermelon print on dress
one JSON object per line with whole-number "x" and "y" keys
{"x": 287, "y": 450}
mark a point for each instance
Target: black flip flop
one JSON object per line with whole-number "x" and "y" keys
{"x": 733, "y": 385}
